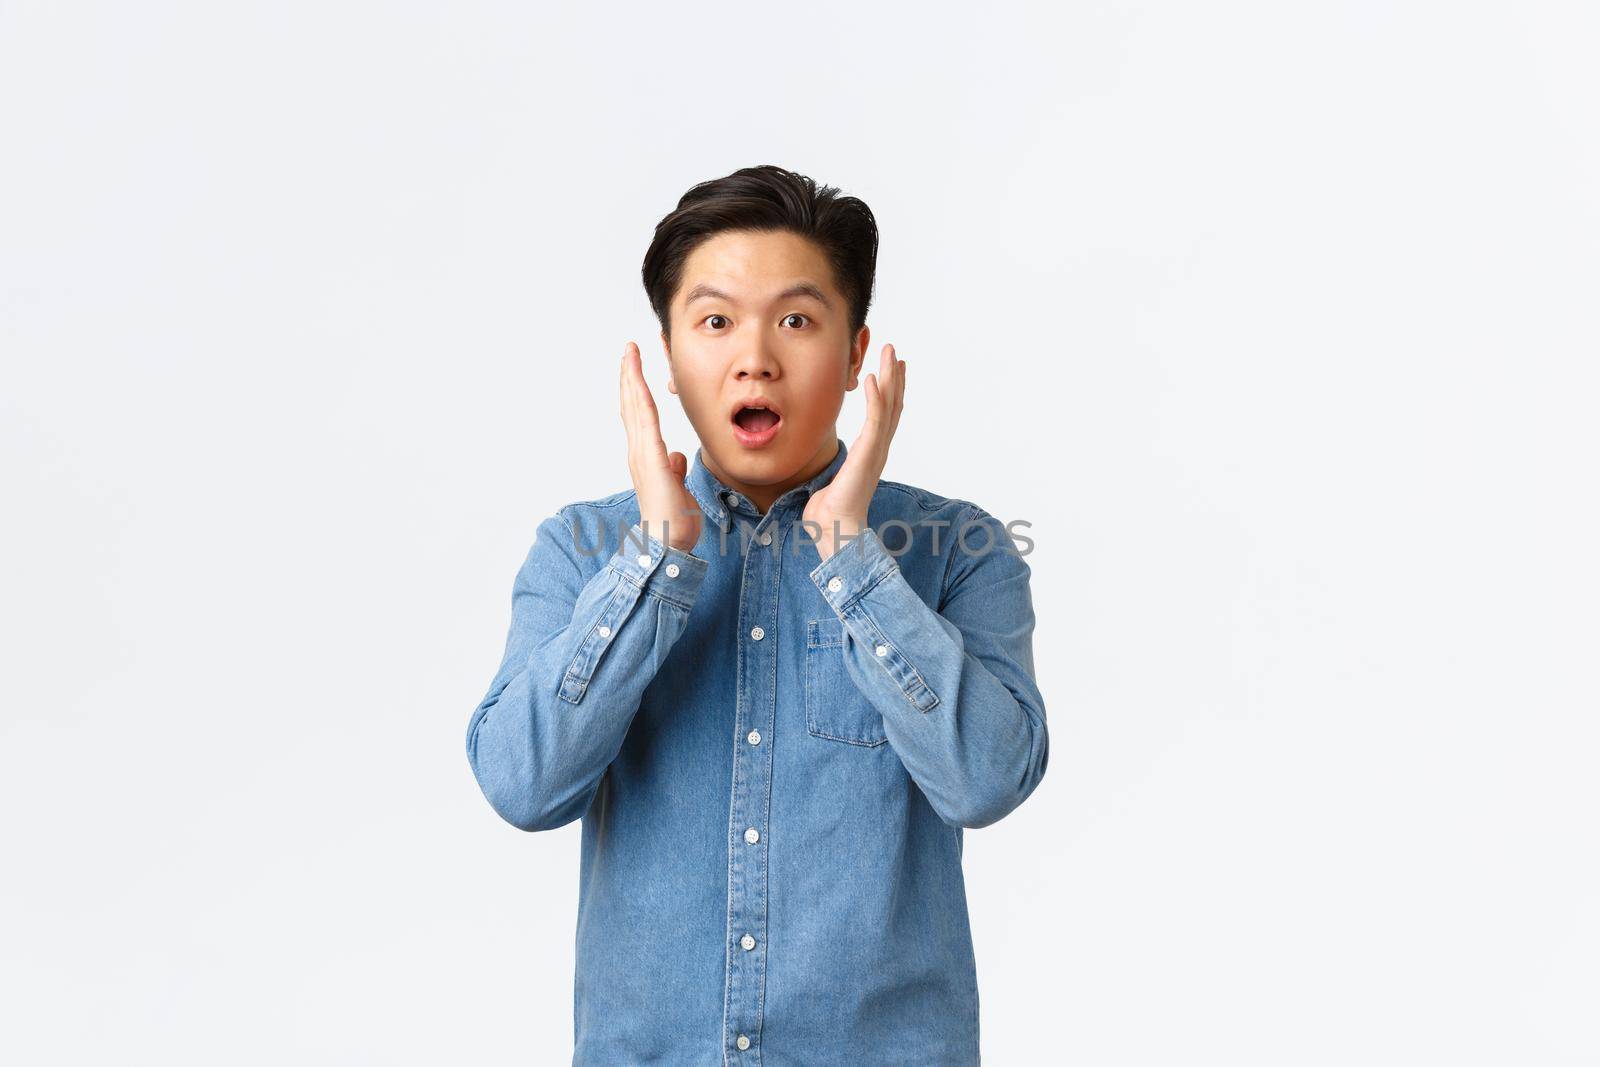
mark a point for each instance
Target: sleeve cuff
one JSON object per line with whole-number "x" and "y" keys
{"x": 857, "y": 566}
{"x": 652, "y": 565}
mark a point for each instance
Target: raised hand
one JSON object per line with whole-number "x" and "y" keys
{"x": 665, "y": 505}
{"x": 845, "y": 499}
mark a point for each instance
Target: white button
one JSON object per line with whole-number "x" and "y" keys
{"x": 834, "y": 584}
{"x": 731, "y": 499}
{"x": 882, "y": 650}
{"x": 748, "y": 942}
{"x": 672, "y": 570}
{"x": 604, "y": 631}
{"x": 752, "y": 835}
{"x": 766, "y": 537}
{"x": 743, "y": 1042}
{"x": 757, "y": 632}
{"x": 754, "y": 737}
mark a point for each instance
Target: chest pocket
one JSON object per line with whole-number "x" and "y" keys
{"x": 835, "y": 709}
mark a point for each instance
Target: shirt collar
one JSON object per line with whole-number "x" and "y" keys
{"x": 713, "y": 496}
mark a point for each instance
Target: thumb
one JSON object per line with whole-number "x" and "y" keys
{"x": 679, "y": 464}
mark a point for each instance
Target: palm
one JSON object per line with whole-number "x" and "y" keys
{"x": 666, "y": 508}
{"x": 845, "y": 499}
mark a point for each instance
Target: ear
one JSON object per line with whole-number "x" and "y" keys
{"x": 672, "y": 386}
{"x": 858, "y": 352}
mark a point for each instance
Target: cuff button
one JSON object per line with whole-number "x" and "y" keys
{"x": 834, "y": 584}
{"x": 672, "y": 570}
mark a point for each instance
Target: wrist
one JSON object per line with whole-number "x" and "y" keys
{"x": 835, "y": 532}
{"x": 681, "y": 534}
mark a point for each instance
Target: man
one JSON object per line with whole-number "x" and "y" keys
{"x": 780, "y": 699}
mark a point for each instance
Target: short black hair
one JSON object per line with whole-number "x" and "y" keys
{"x": 766, "y": 198}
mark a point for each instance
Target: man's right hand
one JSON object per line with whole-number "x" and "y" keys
{"x": 665, "y": 505}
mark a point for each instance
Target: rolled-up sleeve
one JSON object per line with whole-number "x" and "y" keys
{"x": 956, "y": 686}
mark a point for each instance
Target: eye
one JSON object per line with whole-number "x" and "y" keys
{"x": 708, "y": 318}
{"x": 794, "y": 315}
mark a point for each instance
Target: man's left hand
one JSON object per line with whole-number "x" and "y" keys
{"x": 840, "y": 507}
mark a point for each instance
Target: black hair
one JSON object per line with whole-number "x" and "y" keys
{"x": 766, "y": 198}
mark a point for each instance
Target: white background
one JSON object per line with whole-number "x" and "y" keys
{"x": 1276, "y": 320}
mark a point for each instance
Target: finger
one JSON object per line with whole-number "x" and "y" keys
{"x": 900, "y": 405}
{"x": 647, "y": 443}
{"x": 648, "y": 417}
{"x": 867, "y": 447}
{"x": 891, "y": 391}
{"x": 900, "y": 389}
{"x": 625, "y": 398}
{"x": 642, "y": 397}
{"x": 880, "y": 402}
{"x": 636, "y": 440}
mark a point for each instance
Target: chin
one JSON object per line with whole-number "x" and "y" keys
{"x": 765, "y": 466}
{"x": 761, "y": 468}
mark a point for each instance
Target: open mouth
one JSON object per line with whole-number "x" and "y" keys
{"x": 756, "y": 421}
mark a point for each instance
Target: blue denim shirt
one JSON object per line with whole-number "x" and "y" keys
{"x": 774, "y": 759}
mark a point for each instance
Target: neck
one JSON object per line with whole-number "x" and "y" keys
{"x": 763, "y": 496}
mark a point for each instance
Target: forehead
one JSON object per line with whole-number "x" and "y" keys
{"x": 755, "y": 267}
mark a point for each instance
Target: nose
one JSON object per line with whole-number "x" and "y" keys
{"x": 756, "y": 361}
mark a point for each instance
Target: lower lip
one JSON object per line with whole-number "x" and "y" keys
{"x": 756, "y": 440}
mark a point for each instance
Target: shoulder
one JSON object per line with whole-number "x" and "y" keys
{"x": 590, "y": 521}
{"x": 962, "y": 533}
{"x": 622, "y": 498}
{"x": 621, "y": 507}
{"x": 913, "y": 503}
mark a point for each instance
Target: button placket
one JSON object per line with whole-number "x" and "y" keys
{"x": 756, "y": 713}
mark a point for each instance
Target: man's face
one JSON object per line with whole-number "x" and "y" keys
{"x": 760, "y": 315}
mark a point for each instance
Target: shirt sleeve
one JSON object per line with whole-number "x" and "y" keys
{"x": 956, "y": 686}
{"x": 577, "y": 659}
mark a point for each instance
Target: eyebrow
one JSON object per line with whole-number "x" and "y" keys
{"x": 798, "y": 289}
